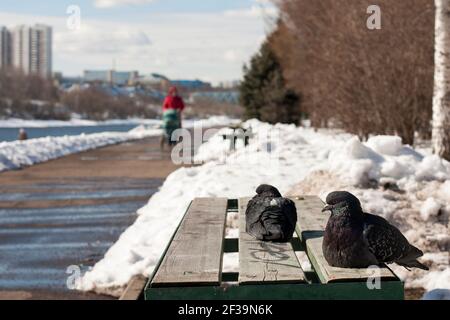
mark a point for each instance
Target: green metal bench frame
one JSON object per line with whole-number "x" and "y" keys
{"x": 323, "y": 282}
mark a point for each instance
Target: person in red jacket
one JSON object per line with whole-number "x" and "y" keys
{"x": 173, "y": 107}
{"x": 173, "y": 101}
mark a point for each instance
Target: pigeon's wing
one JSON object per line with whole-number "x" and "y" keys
{"x": 279, "y": 219}
{"x": 255, "y": 208}
{"x": 253, "y": 218}
{"x": 289, "y": 210}
{"x": 385, "y": 241}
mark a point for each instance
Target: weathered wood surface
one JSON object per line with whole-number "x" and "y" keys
{"x": 265, "y": 262}
{"x": 195, "y": 255}
{"x": 135, "y": 288}
{"x": 310, "y": 227}
{"x": 310, "y": 218}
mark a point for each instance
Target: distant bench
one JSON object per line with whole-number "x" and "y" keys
{"x": 191, "y": 266}
{"x": 238, "y": 133}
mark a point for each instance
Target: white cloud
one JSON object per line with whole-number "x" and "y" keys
{"x": 96, "y": 39}
{"x": 255, "y": 11}
{"x": 117, "y": 3}
{"x": 233, "y": 56}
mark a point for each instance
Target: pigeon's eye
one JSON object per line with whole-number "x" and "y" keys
{"x": 340, "y": 210}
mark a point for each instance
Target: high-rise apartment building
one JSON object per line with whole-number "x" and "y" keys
{"x": 41, "y": 50}
{"x": 21, "y": 53}
{"x": 31, "y": 49}
{"x": 5, "y": 48}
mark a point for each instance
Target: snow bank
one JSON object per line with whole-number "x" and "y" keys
{"x": 388, "y": 145}
{"x": 214, "y": 121}
{"x": 437, "y": 284}
{"x": 430, "y": 208}
{"x": 391, "y": 179}
{"x": 383, "y": 157}
{"x": 17, "y": 154}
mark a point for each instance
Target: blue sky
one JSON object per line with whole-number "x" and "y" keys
{"x": 206, "y": 39}
{"x": 55, "y": 7}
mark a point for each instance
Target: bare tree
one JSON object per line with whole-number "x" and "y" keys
{"x": 364, "y": 81}
{"x": 441, "y": 98}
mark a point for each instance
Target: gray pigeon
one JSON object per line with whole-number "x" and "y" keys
{"x": 355, "y": 239}
{"x": 269, "y": 216}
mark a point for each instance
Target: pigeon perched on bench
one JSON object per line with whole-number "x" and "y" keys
{"x": 355, "y": 239}
{"x": 269, "y": 216}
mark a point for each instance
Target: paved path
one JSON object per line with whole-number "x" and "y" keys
{"x": 69, "y": 211}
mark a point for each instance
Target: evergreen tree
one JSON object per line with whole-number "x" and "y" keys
{"x": 263, "y": 91}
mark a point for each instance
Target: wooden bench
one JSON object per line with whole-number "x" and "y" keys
{"x": 191, "y": 266}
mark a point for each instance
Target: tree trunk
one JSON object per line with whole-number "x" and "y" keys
{"x": 441, "y": 99}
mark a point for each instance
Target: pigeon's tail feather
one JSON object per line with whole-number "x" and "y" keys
{"x": 412, "y": 254}
{"x": 413, "y": 264}
{"x": 410, "y": 260}
{"x": 274, "y": 236}
{"x": 273, "y": 232}
{"x": 256, "y": 230}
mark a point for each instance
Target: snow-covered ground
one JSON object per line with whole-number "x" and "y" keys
{"x": 17, "y": 154}
{"x": 411, "y": 188}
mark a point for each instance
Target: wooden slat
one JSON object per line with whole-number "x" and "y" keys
{"x": 135, "y": 288}
{"x": 195, "y": 255}
{"x": 310, "y": 217}
{"x": 311, "y": 223}
{"x": 263, "y": 262}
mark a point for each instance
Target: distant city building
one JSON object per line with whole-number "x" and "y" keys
{"x": 111, "y": 76}
{"x": 229, "y": 84}
{"x": 124, "y": 77}
{"x": 228, "y": 96}
{"x": 191, "y": 84}
{"x": 5, "y": 48}
{"x": 96, "y": 75}
{"x": 28, "y": 49}
{"x": 65, "y": 82}
{"x": 154, "y": 79}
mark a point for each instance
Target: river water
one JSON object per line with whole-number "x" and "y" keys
{"x": 10, "y": 134}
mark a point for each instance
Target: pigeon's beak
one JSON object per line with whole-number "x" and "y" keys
{"x": 327, "y": 208}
